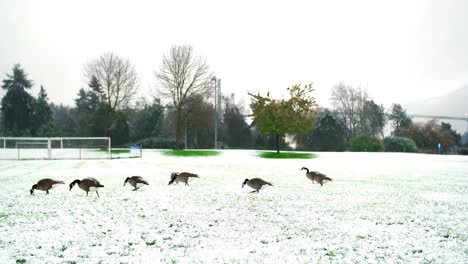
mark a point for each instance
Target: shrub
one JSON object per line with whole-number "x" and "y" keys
{"x": 370, "y": 144}
{"x": 463, "y": 151}
{"x": 399, "y": 144}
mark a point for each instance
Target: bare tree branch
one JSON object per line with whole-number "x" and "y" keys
{"x": 118, "y": 78}
{"x": 182, "y": 75}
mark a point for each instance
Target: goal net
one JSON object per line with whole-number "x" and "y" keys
{"x": 55, "y": 148}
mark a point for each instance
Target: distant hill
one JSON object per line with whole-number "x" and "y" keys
{"x": 452, "y": 104}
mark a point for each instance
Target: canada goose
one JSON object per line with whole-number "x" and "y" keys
{"x": 315, "y": 176}
{"x": 136, "y": 182}
{"x": 182, "y": 177}
{"x": 87, "y": 184}
{"x": 45, "y": 185}
{"x": 255, "y": 183}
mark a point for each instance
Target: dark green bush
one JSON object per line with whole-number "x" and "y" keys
{"x": 156, "y": 142}
{"x": 463, "y": 151}
{"x": 368, "y": 144}
{"x": 399, "y": 144}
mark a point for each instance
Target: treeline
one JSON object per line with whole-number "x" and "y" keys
{"x": 107, "y": 107}
{"x": 357, "y": 123}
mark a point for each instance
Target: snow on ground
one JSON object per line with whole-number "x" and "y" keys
{"x": 380, "y": 208}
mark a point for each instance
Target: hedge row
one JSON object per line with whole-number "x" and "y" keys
{"x": 389, "y": 144}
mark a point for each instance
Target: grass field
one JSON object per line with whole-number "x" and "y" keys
{"x": 287, "y": 155}
{"x": 191, "y": 153}
{"x": 379, "y": 208}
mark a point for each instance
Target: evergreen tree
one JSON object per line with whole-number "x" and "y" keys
{"x": 372, "y": 119}
{"x": 82, "y": 102}
{"x": 95, "y": 94}
{"x": 17, "y": 104}
{"x": 119, "y": 131}
{"x": 400, "y": 120}
{"x": 42, "y": 115}
{"x": 147, "y": 121}
{"x": 329, "y": 135}
{"x": 237, "y": 133}
{"x": 92, "y": 110}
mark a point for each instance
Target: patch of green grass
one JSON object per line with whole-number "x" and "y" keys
{"x": 131, "y": 157}
{"x": 191, "y": 153}
{"x": 287, "y": 155}
{"x": 3, "y": 215}
{"x": 331, "y": 253}
{"x": 20, "y": 261}
{"x": 120, "y": 151}
{"x": 151, "y": 243}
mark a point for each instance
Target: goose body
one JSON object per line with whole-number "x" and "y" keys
{"x": 256, "y": 183}
{"x": 182, "y": 177}
{"x": 87, "y": 185}
{"x": 136, "y": 182}
{"x": 45, "y": 185}
{"x": 316, "y": 176}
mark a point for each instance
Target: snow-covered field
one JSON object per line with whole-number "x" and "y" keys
{"x": 380, "y": 208}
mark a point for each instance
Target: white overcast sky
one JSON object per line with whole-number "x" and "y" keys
{"x": 398, "y": 50}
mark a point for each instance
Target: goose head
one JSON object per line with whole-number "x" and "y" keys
{"x": 126, "y": 180}
{"x": 73, "y": 183}
{"x": 245, "y": 182}
{"x": 32, "y": 189}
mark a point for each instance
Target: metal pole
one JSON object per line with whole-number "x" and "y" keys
{"x": 216, "y": 115}
{"x": 49, "y": 149}
{"x": 110, "y": 148}
{"x": 185, "y": 126}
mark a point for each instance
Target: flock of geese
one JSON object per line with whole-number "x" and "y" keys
{"x": 91, "y": 184}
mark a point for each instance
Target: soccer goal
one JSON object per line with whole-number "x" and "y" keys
{"x": 55, "y": 148}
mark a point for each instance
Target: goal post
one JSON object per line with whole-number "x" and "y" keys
{"x": 56, "y": 148}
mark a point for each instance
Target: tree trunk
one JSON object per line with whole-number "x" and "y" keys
{"x": 277, "y": 144}
{"x": 179, "y": 121}
{"x": 108, "y": 123}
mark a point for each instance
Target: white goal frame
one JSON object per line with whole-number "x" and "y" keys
{"x": 47, "y": 141}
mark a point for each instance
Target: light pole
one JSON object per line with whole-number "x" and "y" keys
{"x": 185, "y": 128}
{"x": 216, "y": 114}
{"x": 466, "y": 119}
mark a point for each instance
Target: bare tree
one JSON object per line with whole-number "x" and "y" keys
{"x": 349, "y": 103}
{"x": 118, "y": 78}
{"x": 183, "y": 74}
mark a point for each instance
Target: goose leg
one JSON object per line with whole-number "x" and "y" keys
{"x": 86, "y": 193}
{"x": 97, "y": 193}
{"x": 47, "y": 192}
{"x": 186, "y": 183}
